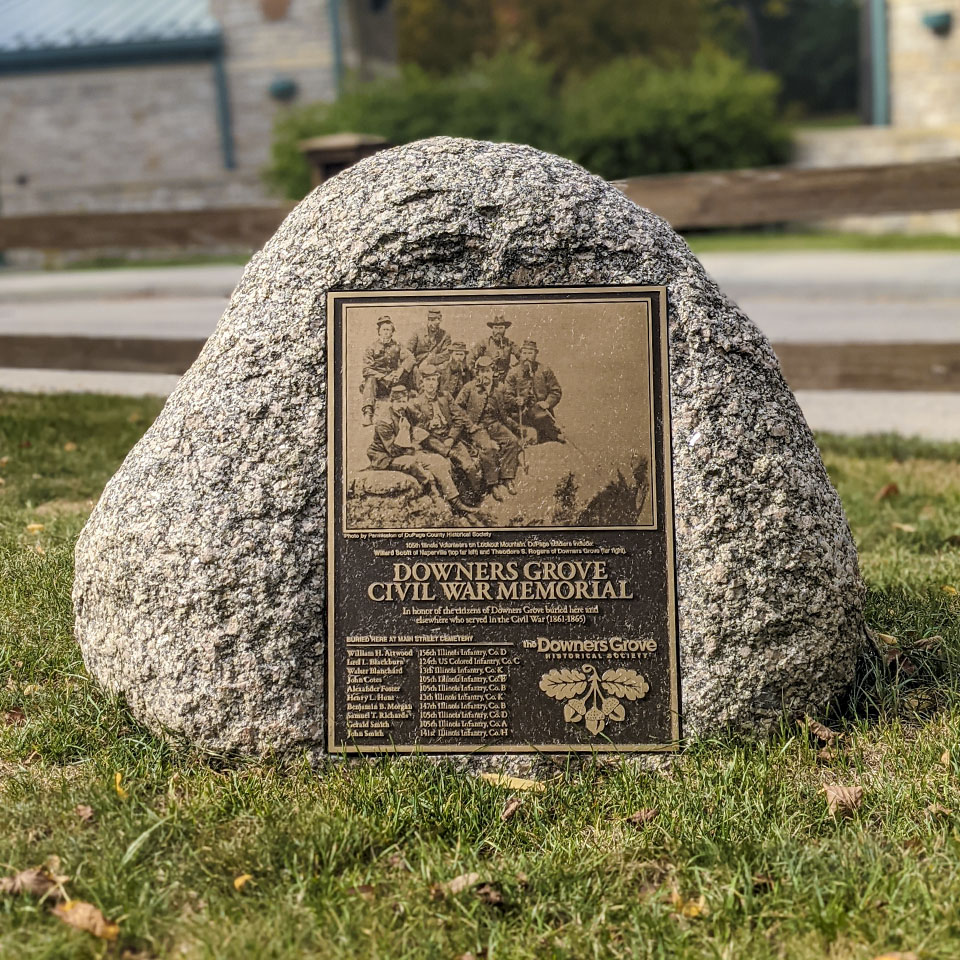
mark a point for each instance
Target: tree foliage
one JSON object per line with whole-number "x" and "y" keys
{"x": 811, "y": 45}
{"x": 444, "y": 36}
{"x": 632, "y": 116}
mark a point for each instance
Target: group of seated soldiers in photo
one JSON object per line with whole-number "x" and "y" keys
{"x": 435, "y": 405}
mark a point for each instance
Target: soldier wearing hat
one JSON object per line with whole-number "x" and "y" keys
{"x": 385, "y": 363}
{"x": 492, "y": 430}
{"x": 430, "y": 344}
{"x": 498, "y": 347}
{"x": 532, "y": 392}
{"x": 395, "y": 446}
{"x": 448, "y": 429}
{"x": 457, "y": 372}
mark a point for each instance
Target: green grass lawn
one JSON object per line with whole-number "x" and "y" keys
{"x": 351, "y": 861}
{"x": 793, "y": 240}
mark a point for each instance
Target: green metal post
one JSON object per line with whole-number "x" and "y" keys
{"x": 336, "y": 35}
{"x": 879, "y": 63}
{"x": 224, "y": 119}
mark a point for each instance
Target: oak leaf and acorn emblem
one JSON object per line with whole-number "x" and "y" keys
{"x": 593, "y": 698}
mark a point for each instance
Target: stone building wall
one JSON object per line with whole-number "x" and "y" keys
{"x": 924, "y": 67}
{"x": 147, "y": 137}
{"x": 924, "y": 75}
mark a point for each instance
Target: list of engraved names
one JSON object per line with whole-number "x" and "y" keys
{"x": 448, "y": 686}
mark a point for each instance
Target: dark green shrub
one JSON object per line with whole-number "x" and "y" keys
{"x": 633, "y": 117}
{"x": 506, "y": 98}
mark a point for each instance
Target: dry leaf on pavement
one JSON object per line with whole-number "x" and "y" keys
{"x": 642, "y": 817}
{"x": 85, "y": 916}
{"x": 510, "y": 808}
{"x": 843, "y": 799}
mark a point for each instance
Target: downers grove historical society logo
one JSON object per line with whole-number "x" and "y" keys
{"x": 500, "y": 500}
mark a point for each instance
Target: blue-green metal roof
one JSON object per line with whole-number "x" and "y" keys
{"x": 32, "y": 26}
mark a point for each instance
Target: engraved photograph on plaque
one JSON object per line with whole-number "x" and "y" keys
{"x": 500, "y": 522}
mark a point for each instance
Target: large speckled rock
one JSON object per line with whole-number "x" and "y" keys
{"x": 200, "y": 576}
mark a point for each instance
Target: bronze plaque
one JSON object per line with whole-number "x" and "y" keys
{"x": 500, "y": 520}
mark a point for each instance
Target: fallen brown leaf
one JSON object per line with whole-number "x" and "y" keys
{"x": 85, "y": 916}
{"x": 489, "y": 894}
{"x": 904, "y": 527}
{"x": 900, "y": 660}
{"x": 642, "y": 817}
{"x": 513, "y": 783}
{"x": 84, "y": 812}
{"x": 843, "y": 799}
{"x": 458, "y": 884}
{"x": 37, "y": 882}
{"x": 688, "y": 908}
{"x": 510, "y": 808}
{"x": 240, "y": 882}
{"x": 14, "y": 717}
{"x": 69, "y": 446}
{"x": 945, "y": 758}
{"x": 928, "y": 643}
{"x": 820, "y": 731}
{"x": 886, "y": 491}
{"x": 888, "y": 639}
{"x": 366, "y": 890}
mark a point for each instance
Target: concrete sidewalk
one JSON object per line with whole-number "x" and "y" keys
{"x": 832, "y": 296}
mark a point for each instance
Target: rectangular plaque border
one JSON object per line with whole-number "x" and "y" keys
{"x": 673, "y": 746}
{"x": 491, "y": 293}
